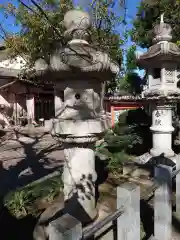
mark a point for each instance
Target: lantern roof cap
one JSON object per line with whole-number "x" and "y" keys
{"x": 78, "y": 56}
{"x": 162, "y": 31}
{"x": 163, "y": 49}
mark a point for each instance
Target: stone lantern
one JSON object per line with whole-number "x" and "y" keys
{"x": 78, "y": 72}
{"x": 161, "y": 62}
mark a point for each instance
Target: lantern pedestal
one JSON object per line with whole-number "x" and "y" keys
{"x": 79, "y": 178}
{"x": 162, "y": 131}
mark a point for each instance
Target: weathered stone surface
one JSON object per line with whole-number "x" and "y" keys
{"x": 162, "y": 203}
{"x": 65, "y": 227}
{"x": 79, "y": 72}
{"x": 143, "y": 158}
{"x": 161, "y": 61}
{"x": 128, "y": 169}
{"x": 81, "y": 179}
{"x": 128, "y": 195}
{"x": 79, "y": 123}
{"x": 41, "y": 229}
{"x": 138, "y": 173}
{"x": 162, "y": 131}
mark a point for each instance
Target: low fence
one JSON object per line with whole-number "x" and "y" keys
{"x": 128, "y": 214}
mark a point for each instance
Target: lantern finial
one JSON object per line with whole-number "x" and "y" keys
{"x": 162, "y": 18}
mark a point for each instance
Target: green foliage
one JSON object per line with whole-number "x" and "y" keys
{"x": 117, "y": 143}
{"x": 22, "y": 202}
{"x": 117, "y": 160}
{"x": 131, "y": 65}
{"x": 131, "y": 81}
{"x": 18, "y": 203}
{"x": 148, "y": 15}
{"x": 37, "y": 37}
{"x": 124, "y": 139}
{"x": 128, "y": 138}
{"x": 104, "y": 34}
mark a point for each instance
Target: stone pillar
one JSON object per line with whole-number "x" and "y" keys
{"x": 103, "y": 86}
{"x": 58, "y": 101}
{"x": 162, "y": 131}
{"x": 30, "y": 108}
{"x": 162, "y": 203}
{"x": 178, "y": 137}
{"x": 79, "y": 178}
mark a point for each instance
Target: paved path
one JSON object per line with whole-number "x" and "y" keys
{"x": 26, "y": 159}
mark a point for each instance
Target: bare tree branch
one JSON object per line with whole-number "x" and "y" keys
{"x": 2, "y": 37}
{"x": 3, "y": 31}
{"x": 26, "y": 6}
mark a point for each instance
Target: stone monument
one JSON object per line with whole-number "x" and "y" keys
{"x": 161, "y": 62}
{"x": 78, "y": 72}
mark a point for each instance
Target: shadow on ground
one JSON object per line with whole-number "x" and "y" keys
{"x": 12, "y": 228}
{"x": 39, "y": 163}
{"x": 36, "y": 161}
{"x": 10, "y": 180}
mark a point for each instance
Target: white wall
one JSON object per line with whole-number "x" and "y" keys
{"x": 16, "y": 63}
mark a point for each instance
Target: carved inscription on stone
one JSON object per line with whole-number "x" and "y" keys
{"x": 163, "y": 112}
{"x": 157, "y": 120}
{"x": 157, "y": 114}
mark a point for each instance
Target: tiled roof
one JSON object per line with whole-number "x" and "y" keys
{"x": 9, "y": 72}
{"x": 14, "y": 74}
{"x": 124, "y": 98}
{"x": 4, "y": 54}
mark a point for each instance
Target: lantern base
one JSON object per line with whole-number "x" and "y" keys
{"x": 169, "y": 153}
{"x": 148, "y": 157}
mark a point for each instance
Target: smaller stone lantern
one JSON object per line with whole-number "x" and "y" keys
{"x": 161, "y": 61}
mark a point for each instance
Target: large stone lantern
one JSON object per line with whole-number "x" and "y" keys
{"x": 78, "y": 72}
{"x": 161, "y": 62}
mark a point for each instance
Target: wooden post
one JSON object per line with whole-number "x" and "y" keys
{"x": 162, "y": 203}
{"x": 178, "y": 185}
{"x": 65, "y": 228}
{"x": 128, "y": 223}
{"x": 30, "y": 109}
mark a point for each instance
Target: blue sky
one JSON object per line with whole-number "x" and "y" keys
{"x": 8, "y": 23}
{"x": 131, "y": 12}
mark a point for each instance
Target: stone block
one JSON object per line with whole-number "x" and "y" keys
{"x": 128, "y": 195}
{"x": 65, "y": 227}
